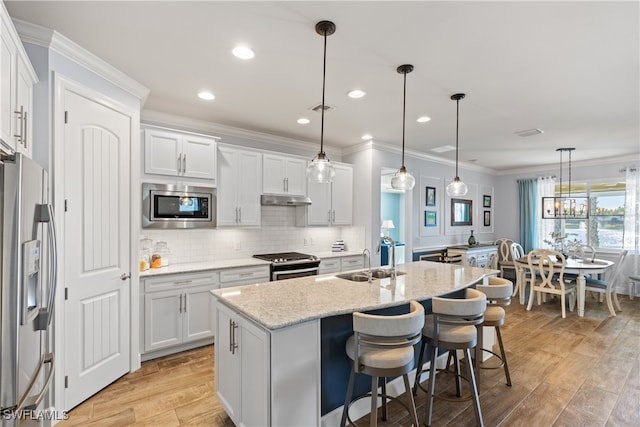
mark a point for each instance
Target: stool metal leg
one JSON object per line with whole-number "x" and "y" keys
{"x": 384, "y": 399}
{"x": 432, "y": 384}
{"x": 474, "y": 389}
{"x": 456, "y": 366}
{"x": 373, "y": 419}
{"x": 347, "y": 398}
{"x": 504, "y": 356}
{"x": 411, "y": 402}
{"x": 419, "y": 367}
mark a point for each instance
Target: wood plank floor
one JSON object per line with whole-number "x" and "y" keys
{"x": 565, "y": 372}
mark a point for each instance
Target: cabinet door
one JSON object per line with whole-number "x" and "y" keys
{"x": 24, "y": 102}
{"x": 227, "y": 379}
{"x": 227, "y": 187}
{"x": 273, "y": 174}
{"x": 342, "y": 196}
{"x": 162, "y": 152}
{"x": 199, "y": 157}
{"x": 254, "y": 374}
{"x": 249, "y": 179}
{"x": 296, "y": 176}
{"x": 7, "y": 79}
{"x": 319, "y": 212}
{"x": 162, "y": 319}
{"x": 198, "y": 318}
{"x": 352, "y": 262}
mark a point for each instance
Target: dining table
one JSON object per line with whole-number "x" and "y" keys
{"x": 577, "y": 266}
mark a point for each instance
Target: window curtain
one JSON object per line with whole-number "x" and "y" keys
{"x": 632, "y": 216}
{"x": 544, "y": 227}
{"x": 527, "y": 221}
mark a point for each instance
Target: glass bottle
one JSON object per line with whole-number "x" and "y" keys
{"x": 472, "y": 240}
{"x": 145, "y": 253}
{"x": 161, "y": 253}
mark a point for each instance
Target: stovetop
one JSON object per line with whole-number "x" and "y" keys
{"x": 285, "y": 257}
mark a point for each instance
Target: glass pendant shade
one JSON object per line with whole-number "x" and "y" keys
{"x": 403, "y": 180}
{"x": 457, "y": 187}
{"x": 320, "y": 169}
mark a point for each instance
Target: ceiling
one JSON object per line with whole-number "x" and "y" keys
{"x": 570, "y": 69}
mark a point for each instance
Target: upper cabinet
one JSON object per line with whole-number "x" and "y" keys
{"x": 17, "y": 78}
{"x": 239, "y": 188}
{"x": 179, "y": 154}
{"x": 332, "y": 204}
{"x": 283, "y": 175}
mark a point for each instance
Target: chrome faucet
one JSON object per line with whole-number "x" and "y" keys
{"x": 392, "y": 248}
{"x": 368, "y": 254}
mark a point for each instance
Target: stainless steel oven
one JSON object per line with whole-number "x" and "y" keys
{"x": 288, "y": 265}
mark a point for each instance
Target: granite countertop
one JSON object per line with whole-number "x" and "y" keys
{"x": 284, "y": 303}
{"x": 202, "y": 266}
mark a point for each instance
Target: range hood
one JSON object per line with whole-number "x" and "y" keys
{"x": 284, "y": 200}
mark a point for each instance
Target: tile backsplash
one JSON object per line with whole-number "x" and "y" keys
{"x": 277, "y": 234}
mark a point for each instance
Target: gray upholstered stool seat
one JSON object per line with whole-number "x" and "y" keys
{"x": 498, "y": 292}
{"x": 452, "y": 326}
{"x": 381, "y": 347}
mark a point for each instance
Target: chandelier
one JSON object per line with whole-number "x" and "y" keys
{"x": 561, "y": 207}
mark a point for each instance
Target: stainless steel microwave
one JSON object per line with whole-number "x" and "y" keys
{"x": 173, "y": 206}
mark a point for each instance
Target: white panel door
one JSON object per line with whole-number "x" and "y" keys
{"x": 162, "y": 152}
{"x": 319, "y": 213}
{"x": 296, "y": 174}
{"x": 198, "y": 316}
{"x": 249, "y": 187}
{"x": 273, "y": 175}
{"x": 199, "y": 157}
{"x": 228, "y": 187}
{"x": 97, "y": 185}
{"x": 342, "y": 196}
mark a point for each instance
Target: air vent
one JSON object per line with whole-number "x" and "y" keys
{"x": 318, "y": 108}
{"x": 529, "y": 132}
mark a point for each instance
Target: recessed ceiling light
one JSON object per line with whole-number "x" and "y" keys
{"x": 423, "y": 119}
{"x": 242, "y": 52}
{"x": 367, "y": 137}
{"x": 207, "y": 96}
{"x": 356, "y": 93}
{"x": 443, "y": 149}
{"x": 303, "y": 121}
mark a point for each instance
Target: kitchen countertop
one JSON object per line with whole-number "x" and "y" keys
{"x": 203, "y": 266}
{"x": 280, "y": 304}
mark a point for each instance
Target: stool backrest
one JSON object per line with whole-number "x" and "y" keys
{"x": 498, "y": 291}
{"x": 398, "y": 326}
{"x": 453, "y": 311}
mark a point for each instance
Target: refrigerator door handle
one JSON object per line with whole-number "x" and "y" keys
{"x": 46, "y": 313}
{"x": 29, "y": 403}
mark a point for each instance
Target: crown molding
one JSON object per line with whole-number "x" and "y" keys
{"x": 158, "y": 118}
{"x": 574, "y": 164}
{"x": 51, "y": 39}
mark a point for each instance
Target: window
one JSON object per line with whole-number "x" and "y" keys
{"x": 604, "y": 229}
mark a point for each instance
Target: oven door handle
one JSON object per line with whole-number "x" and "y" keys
{"x": 314, "y": 270}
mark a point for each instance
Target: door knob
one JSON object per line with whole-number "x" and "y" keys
{"x": 125, "y": 276}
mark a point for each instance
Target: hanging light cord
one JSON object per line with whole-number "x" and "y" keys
{"x": 324, "y": 73}
{"x": 457, "y": 121}
{"x": 404, "y": 109}
{"x": 569, "y": 173}
{"x": 561, "y": 173}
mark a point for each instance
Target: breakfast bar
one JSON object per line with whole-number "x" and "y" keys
{"x": 279, "y": 353}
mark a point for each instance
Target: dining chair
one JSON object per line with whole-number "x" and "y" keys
{"x": 547, "y": 277}
{"x": 505, "y": 260}
{"x": 633, "y": 281}
{"x": 606, "y": 287}
{"x": 523, "y": 274}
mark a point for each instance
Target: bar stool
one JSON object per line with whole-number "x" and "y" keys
{"x": 452, "y": 326}
{"x": 498, "y": 292}
{"x": 381, "y": 347}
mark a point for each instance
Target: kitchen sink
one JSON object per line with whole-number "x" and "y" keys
{"x": 363, "y": 276}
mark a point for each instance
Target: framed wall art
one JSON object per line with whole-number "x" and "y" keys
{"x": 486, "y": 201}
{"x": 487, "y": 218}
{"x": 430, "y": 196}
{"x": 430, "y": 218}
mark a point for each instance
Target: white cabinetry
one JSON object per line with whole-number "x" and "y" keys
{"x": 238, "y": 276}
{"x": 352, "y": 262}
{"x": 332, "y": 204}
{"x": 240, "y": 186}
{"x": 475, "y": 256}
{"x": 243, "y": 385}
{"x": 178, "y": 311}
{"x": 283, "y": 175}
{"x": 17, "y": 78}
{"x": 179, "y": 154}
{"x": 329, "y": 265}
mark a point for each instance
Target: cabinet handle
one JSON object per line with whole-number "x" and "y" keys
{"x": 233, "y": 344}
{"x": 180, "y": 304}
{"x": 24, "y": 134}
{"x": 240, "y": 214}
{"x": 184, "y": 299}
{"x": 286, "y": 185}
{"x": 329, "y": 216}
{"x": 333, "y": 218}
{"x": 231, "y": 336}
{"x": 183, "y": 282}
{"x": 184, "y": 164}
{"x": 179, "y": 163}
{"x": 20, "y": 117}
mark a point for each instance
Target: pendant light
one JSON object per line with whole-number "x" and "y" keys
{"x": 320, "y": 169}
{"x": 565, "y": 207}
{"x": 403, "y": 180}
{"x": 457, "y": 187}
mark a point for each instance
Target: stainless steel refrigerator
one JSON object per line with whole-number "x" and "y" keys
{"x": 28, "y": 288}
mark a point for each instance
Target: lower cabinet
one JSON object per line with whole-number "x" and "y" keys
{"x": 242, "y": 349}
{"x": 178, "y": 312}
{"x": 476, "y": 256}
{"x": 352, "y": 262}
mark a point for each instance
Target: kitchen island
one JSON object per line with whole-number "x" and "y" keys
{"x": 279, "y": 353}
